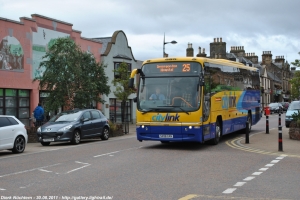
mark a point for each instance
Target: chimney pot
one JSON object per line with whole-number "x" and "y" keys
{"x": 220, "y": 39}
{"x": 199, "y": 50}
{"x": 217, "y": 39}
{"x": 203, "y": 50}
{"x": 214, "y": 39}
{"x": 189, "y": 45}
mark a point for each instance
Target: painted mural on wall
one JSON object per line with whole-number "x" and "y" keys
{"x": 11, "y": 54}
{"x": 42, "y": 40}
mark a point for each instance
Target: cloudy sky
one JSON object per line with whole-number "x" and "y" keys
{"x": 258, "y": 25}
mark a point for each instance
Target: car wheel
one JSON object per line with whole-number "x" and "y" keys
{"x": 76, "y": 137}
{"x": 19, "y": 145}
{"x": 105, "y": 134}
{"x": 218, "y": 133}
{"x": 45, "y": 143}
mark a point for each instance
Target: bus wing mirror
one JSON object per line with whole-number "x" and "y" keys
{"x": 135, "y": 99}
{"x": 131, "y": 82}
{"x": 201, "y": 81}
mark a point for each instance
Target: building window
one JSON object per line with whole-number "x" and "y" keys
{"x": 116, "y": 66}
{"x": 15, "y": 102}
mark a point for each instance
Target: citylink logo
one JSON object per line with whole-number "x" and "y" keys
{"x": 168, "y": 117}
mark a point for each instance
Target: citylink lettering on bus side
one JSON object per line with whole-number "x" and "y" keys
{"x": 167, "y": 117}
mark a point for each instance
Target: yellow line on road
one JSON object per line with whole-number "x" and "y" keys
{"x": 232, "y": 144}
{"x": 193, "y": 196}
{"x": 188, "y": 197}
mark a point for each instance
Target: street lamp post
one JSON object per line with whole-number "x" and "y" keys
{"x": 172, "y": 42}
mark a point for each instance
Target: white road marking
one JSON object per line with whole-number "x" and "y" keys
{"x": 72, "y": 146}
{"x": 249, "y": 178}
{"x": 275, "y": 161}
{"x": 229, "y": 191}
{"x": 238, "y": 184}
{"x": 269, "y": 165}
{"x": 29, "y": 170}
{"x": 82, "y": 163}
{"x": 257, "y": 173}
{"x": 263, "y": 169}
{"x": 43, "y": 170}
{"x": 2, "y": 189}
{"x": 77, "y": 168}
{"x": 50, "y": 149}
{"x": 279, "y": 158}
{"x": 105, "y": 154}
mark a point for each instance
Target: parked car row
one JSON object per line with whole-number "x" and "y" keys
{"x": 293, "y": 108}
{"x": 278, "y": 107}
{"x": 73, "y": 125}
{"x": 275, "y": 108}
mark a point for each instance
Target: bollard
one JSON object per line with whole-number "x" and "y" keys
{"x": 279, "y": 119}
{"x": 280, "y": 138}
{"x": 247, "y": 133}
{"x": 267, "y": 124}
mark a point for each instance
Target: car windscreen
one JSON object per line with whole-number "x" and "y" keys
{"x": 295, "y": 105}
{"x": 66, "y": 117}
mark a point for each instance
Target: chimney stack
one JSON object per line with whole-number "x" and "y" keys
{"x": 190, "y": 50}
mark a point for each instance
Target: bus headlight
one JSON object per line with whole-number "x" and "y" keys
{"x": 190, "y": 127}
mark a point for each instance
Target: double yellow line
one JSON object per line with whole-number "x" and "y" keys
{"x": 235, "y": 144}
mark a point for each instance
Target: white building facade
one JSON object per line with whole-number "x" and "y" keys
{"x": 115, "y": 50}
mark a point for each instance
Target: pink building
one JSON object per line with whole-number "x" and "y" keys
{"x": 22, "y": 46}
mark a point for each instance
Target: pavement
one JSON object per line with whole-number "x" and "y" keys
{"x": 269, "y": 143}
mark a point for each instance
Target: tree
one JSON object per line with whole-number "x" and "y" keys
{"x": 295, "y": 81}
{"x": 121, "y": 82}
{"x": 72, "y": 77}
{"x": 297, "y": 62}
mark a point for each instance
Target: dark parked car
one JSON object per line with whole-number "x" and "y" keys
{"x": 74, "y": 125}
{"x": 275, "y": 108}
{"x": 285, "y": 105}
{"x": 294, "y": 107}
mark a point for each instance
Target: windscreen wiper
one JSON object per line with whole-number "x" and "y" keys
{"x": 151, "y": 109}
{"x": 177, "y": 107}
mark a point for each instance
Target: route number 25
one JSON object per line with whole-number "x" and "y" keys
{"x": 186, "y": 67}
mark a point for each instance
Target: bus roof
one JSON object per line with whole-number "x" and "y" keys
{"x": 202, "y": 60}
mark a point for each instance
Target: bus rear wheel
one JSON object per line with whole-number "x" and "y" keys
{"x": 218, "y": 133}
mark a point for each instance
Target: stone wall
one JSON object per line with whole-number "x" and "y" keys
{"x": 294, "y": 131}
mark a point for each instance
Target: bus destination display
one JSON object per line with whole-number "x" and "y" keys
{"x": 171, "y": 68}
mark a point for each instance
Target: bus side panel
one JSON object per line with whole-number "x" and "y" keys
{"x": 210, "y": 131}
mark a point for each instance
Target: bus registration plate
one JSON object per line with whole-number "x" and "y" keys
{"x": 165, "y": 136}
